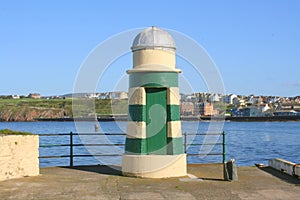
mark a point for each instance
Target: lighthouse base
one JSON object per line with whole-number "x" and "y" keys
{"x": 154, "y": 166}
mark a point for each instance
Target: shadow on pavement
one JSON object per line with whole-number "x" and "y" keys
{"x": 285, "y": 177}
{"x": 101, "y": 169}
{"x": 213, "y": 179}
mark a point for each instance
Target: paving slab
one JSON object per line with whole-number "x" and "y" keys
{"x": 102, "y": 182}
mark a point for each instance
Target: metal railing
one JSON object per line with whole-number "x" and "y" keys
{"x": 223, "y": 143}
{"x": 72, "y": 145}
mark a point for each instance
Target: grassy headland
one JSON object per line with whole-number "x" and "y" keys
{"x": 11, "y": 132}
{"x": 27, "y": 109}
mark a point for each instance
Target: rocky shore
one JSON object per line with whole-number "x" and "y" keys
{"x": 31, "y": 114}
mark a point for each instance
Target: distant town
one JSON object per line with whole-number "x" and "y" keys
{"x": 205, "y": 104}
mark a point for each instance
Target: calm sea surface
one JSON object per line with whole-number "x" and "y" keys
{"x": 246, "y": 142}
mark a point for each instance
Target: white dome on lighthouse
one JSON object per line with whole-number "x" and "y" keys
{"x": 153, "y": 37}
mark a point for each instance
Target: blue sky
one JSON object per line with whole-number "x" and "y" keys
{"x": 255, "y": 44}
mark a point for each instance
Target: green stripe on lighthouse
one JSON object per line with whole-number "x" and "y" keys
{"x": 153, "y": 79}
{"x": 175, "y": 146}
{"x": 136, "y": 146}
{"x": 138, "y": 113}
{"x": 139, "y": 146}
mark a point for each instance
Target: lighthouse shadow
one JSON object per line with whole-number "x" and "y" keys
{"x": 100, "y": 169}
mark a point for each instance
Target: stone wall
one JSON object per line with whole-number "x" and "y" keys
{"x": 18, "y": 156}
{"x": 285, "y": 166}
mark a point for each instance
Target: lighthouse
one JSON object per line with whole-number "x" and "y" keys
{"x": 153, "y": 147}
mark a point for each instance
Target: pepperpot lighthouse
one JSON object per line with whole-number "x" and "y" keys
{"x": 154, "y": 146}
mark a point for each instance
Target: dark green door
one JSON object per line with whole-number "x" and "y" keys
{"x": 156, "y": 131}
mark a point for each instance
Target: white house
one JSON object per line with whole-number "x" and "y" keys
{"x": 118, "y": 95}
{"x": 92, "y": 95}
{"x": 230, "y": 98}
{"x": 215, "y": 97}
{"x": 15, "y": 96}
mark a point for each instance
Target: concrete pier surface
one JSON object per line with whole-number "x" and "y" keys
{"x": 102, "y": 182}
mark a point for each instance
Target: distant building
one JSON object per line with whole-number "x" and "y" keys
{"x": 34, "y": 96}
{"x": 56, "y": 97}
{"x": 289, "y": 106}
{"x": 104, "y": 95}
{"x": 215, "y": 98}
{"x": 272, "y": 99}
{"x": 253, "y": 111}
{"x": 191, "y": 98}
{"x": 254, "y": 100}
{"x": 202, "y": 97}
{"x": 237, "y": 111}
{"x": 113, "y": 95}
{"x": 231, "y": 98}
{"x": 207, "y": 109}
{"x": 286, "y": 113}
{"x": 92, "y": 95}
{"x": 187, "y": 108}
{"x": 118, "y": 95}
{"x": 242, "y": 102}
{"x": 297, "y": 100}
{"x": 15, "y": 96}
{"x": 265, "y": 108}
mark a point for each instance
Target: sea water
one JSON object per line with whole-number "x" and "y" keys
{"x": 246, "y": 142}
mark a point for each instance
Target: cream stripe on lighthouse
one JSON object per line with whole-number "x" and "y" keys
{"x": 173, "y": 97}
{"x": 136, "y": 130}
{"x": 137, "y": 96}
{"x": 174, "y": 129}
{"x": 154, "y": 56}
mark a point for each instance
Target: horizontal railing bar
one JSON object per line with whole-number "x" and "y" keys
{"x": 205, "y": 144}
{"x": 67, "y": 145}
{"x": 64, "y": 134}
{"x": 190, "y": 134}
{"x": 79, "y": 145}
{"x": 99, "y": 134}
{"x": 207, "y": 154}
{"x": 63, "y": 156}
{"x": 54, "y": 145}
{"x": 98, "y": 145}
{"x": 83, "y": 155}
{"x": 120, "y": 144}
{"x": 211, "y": 162}
{"x": 123, "y": 134}
{"x": 55, "y": 134}
{"x": 89, "y": 155}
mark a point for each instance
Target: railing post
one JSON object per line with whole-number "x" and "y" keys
{"x": 185, "y": 142}
{"x": 224, "y": 144}
{"x": 71, "y": 149}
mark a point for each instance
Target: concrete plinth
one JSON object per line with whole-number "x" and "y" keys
{"x": 154, "y": 166}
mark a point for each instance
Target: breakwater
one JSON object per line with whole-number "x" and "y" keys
{"x": 183, "y": 118}
{"x": 254, "y": 119}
